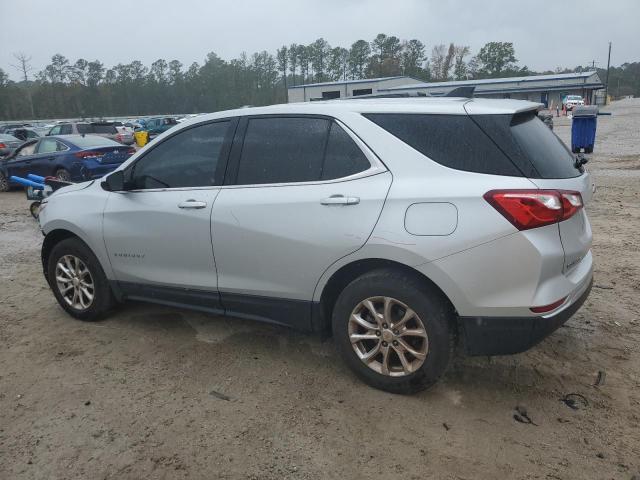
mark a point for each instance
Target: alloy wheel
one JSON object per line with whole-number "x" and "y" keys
{"x": 74, "y": 282}
{"x": 388, "y": 336}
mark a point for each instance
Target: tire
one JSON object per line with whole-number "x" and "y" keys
{"x": 4, "y": 183}
{"x": 63, "y": 175}
{"x": 432, "y": 311}
{"x": 103, "y": 299}
{"x": 34, "y": 208}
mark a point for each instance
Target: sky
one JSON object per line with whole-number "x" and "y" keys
{"x": 545, "y": 33}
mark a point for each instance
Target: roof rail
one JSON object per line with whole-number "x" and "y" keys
{"x": 465, "y": 92}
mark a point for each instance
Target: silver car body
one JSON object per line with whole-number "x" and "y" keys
{"x": 281, "y": 241}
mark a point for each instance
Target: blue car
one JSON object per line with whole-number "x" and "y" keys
{"x": 75, "y": 158}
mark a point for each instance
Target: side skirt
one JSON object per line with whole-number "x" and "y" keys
{"x": 281, "y": 311}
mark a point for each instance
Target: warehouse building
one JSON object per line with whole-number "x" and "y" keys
{"x": 346, "y": 88}
{"x": 546, "y": 89}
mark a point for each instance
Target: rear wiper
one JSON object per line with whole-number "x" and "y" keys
{"x": 580, "y": 161}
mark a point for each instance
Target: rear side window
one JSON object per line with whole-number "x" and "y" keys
{"x": 84, "y": 128}
{"x": 66, "y": 129}
{"x": 187, "y": 159}
{"x": 535, "y": 149}
{"x": 297, "y": 149}
{"x": 343, "y": 157}
{"x": 282, "y": 150}
{"x": 104, "y": 128}
{"x": 454, "y": 141}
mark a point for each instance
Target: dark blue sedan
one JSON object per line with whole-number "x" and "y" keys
{"x": 74, "y": 158}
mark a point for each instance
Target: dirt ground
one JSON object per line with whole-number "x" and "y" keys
{"x": 160, "y": 393}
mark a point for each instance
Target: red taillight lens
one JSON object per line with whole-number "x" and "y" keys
{"x": 2, "y": 145}
{"x": 89, "y": 154}
{"x": 548, "y": 308}
{"x": 131, "y": 151}
{"x": 527, "y": 209}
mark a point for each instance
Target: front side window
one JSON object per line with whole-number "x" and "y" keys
{"x": 187, "y": 159}
{"x": 55, "y": 130}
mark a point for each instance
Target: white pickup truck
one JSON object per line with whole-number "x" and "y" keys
{"x": 571, "y": 101}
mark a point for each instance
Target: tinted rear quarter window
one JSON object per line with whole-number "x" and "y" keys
{"x": 84, "y": 128}
{"x": 104, "y": 128}
{"x": 537, "y": 151}
{"x": 454, "y": 141}
{"x": 343, "y": 157}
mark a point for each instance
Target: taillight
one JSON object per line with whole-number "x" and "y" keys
{"x": 131, "y": 151}
{"x": 89, "y": 154}
{"x": 527, "y": 209}
{"x": 2, "y": 145}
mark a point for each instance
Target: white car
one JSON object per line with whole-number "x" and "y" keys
{"x": 402, "y": 226}
{"x": 571, "y": 101}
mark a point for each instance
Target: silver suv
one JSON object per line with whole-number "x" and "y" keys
{"x": 403, "y": 226}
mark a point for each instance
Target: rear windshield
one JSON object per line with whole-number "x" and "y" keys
{"x": 454, "y": 141}
{"x": 104, "y": 128}
{"x": 94, "y": 141}
{"x": 530, "y": 144}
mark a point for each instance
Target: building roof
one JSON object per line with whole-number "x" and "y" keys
{"x": 491, "y": 81}
{"x": 347, "y": 82}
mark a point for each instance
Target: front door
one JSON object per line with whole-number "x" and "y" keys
{"x": 157, "y": 232}
{"x": 305, "y": 194}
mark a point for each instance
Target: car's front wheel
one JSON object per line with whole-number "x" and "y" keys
{"x": 77, "y": 280}
{"x": 393, "y": 330}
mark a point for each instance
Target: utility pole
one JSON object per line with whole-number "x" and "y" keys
{"x": 606, "y": 87}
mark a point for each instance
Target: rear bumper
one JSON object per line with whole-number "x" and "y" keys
{"x": 509, "y": 335}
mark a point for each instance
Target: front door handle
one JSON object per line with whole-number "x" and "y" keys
{"x": 192, "y": 204}
{"x": 340, "y": 200}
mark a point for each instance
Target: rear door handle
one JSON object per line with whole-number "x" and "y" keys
{"x": 340, "y": 200}
{"x": 192, "y": 204}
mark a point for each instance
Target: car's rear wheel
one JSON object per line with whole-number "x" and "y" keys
{"x": 4, "y": 183}
{"x": 63, "y": 175}
{"x": 394, "y": 331}
{"x": 77, "y": 280}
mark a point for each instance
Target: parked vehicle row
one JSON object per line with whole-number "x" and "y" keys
{"x": 75, "y": 158}
{"x": 104, "y": 129}
{"x": 401, "y": 225}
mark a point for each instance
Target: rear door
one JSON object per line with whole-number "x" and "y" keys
{"x": 304, "y": 192}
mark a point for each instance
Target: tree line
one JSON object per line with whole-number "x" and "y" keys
{"x": 90, "y": 89}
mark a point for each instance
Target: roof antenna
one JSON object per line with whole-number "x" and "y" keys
{"x": 466, "y": 92}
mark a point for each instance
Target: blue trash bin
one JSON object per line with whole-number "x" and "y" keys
{"x": 583, "y": 128}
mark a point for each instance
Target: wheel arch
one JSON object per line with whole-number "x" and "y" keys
{"x": 52, "y": 239}
{"x": 352, "y": 270}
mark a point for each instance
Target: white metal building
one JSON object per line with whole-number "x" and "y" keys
{"x": 346, "y": 88}
{"x": 546, "y": 89}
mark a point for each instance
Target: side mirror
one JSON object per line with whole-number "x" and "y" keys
{"x": 114, "y": 182}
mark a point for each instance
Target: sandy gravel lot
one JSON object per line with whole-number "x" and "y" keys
{"x": 161, "y": 393}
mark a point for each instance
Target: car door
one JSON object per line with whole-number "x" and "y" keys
{"x": 20, "y": 160}
{"x": 304, "y": 192}
{"x": 158, "y": 232}
{"x": 46, "y": 160}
